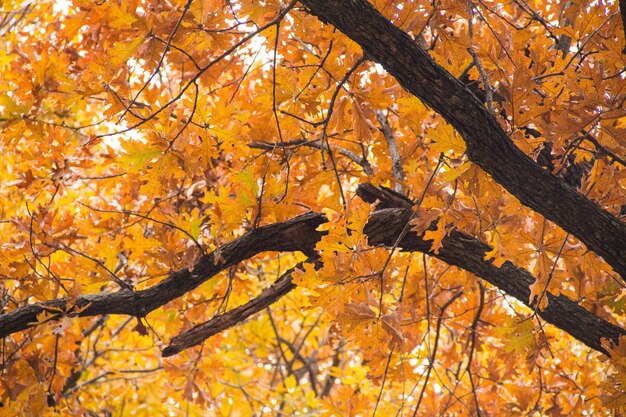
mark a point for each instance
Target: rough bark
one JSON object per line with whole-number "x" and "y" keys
{"x": 300, "y": 234}
{"x": 203, "y": 331}
{"x": 487, "y": 143}
{"x": 383, "y": 228}
{"x": 468, "y": 253}
{"x": 297, "y": 234}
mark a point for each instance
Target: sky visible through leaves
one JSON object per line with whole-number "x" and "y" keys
{"x": 156, "y": 155}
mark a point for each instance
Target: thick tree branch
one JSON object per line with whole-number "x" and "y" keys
{"x": 201, "y": 332}
{"x": 487, "y": 143}
{"x": 300, "y": 233}
{"x": 468, "y": 253}
{"x": 297, "y": 234}
{"x": 458, "y": 249}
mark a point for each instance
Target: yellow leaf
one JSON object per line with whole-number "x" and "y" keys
{"x": 121, "y": 19}
{"x": 423, "y": 219}
{"x": 437, "y": 235}
{"x": 137, "y": 155}
{"x": 291, "y": 382}
{"x": 454, "y": 172}
{"x": 495, "y": 254}
{"x": 445, "y": 139}
{"x": 48, "y": 314}
{"x": 362, "y": 126}
{"x": 517, "y": 337}
{"x": 122, "y": 51}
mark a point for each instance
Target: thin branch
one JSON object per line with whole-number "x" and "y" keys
{"x": 591, "y": 35}
{"x": 431, "y": 359}
{"x": 550, "y": 274}
{"x": 316, "y": 144}
{"x": 330, "y": 378}
{"x": 472, "y": 340}
{"x": 160, "y": 63}
{"x": 301, "y": 234}
{"x": 394, "y": 154}
{"x": 202, "y": 70}
{"x": 487, "y": 143}
{"x": 146, "y": 217}
{"x": 123, "y": 284}
{"x": 382, "y": 384}
{"x": 484, "y": 78}
{"x": 603, "y": 149}
{"x": 329, "y": 114}
{"x": 317, "y": 69}
{"x": 622, "y": 10}
{"x": 307, "y": 366}
{"x": 199, "y": 333}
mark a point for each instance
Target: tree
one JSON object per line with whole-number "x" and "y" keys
{"x": 313, "y": 207}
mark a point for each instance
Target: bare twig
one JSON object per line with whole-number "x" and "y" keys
{"x": 603, "y": 149}
{"x": 382, "y": 384}
{"x": 472, "y": 341}
{"x": 591, "y": 35}
{"x": 329, "y": 114}
{"x": 124, "y": 285}
{"x": 550, "y": 275}
{"x": 201, "y": 332}
{"x": 202, "y": 70}
{"x": 317, "y": 144}
{"x": 300, "y": 233}
{"x": 147, "y": 217}
{"x": 622, "y": 10}
{"x": 394, "y": 154}
{"x": 160, "y": 63}
{"x": 485, "y": 79}
{"x": 433, "y": 355}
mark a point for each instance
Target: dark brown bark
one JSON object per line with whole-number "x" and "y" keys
{"x": 468, "y": 253}
{"x": 487, "y": 143}
{"x": 383, "y": 228}
{"x": 297, "y": 234}
{"x": 300, "y": 234}
{"x": 201, "y": 332}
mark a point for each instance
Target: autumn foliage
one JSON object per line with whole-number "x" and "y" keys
{"x": 329, "y": 208}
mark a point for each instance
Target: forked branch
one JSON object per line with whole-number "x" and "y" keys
{"x": 300, "y": 234}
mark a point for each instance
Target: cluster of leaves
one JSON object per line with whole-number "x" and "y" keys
{"x": 138, "y": 136}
